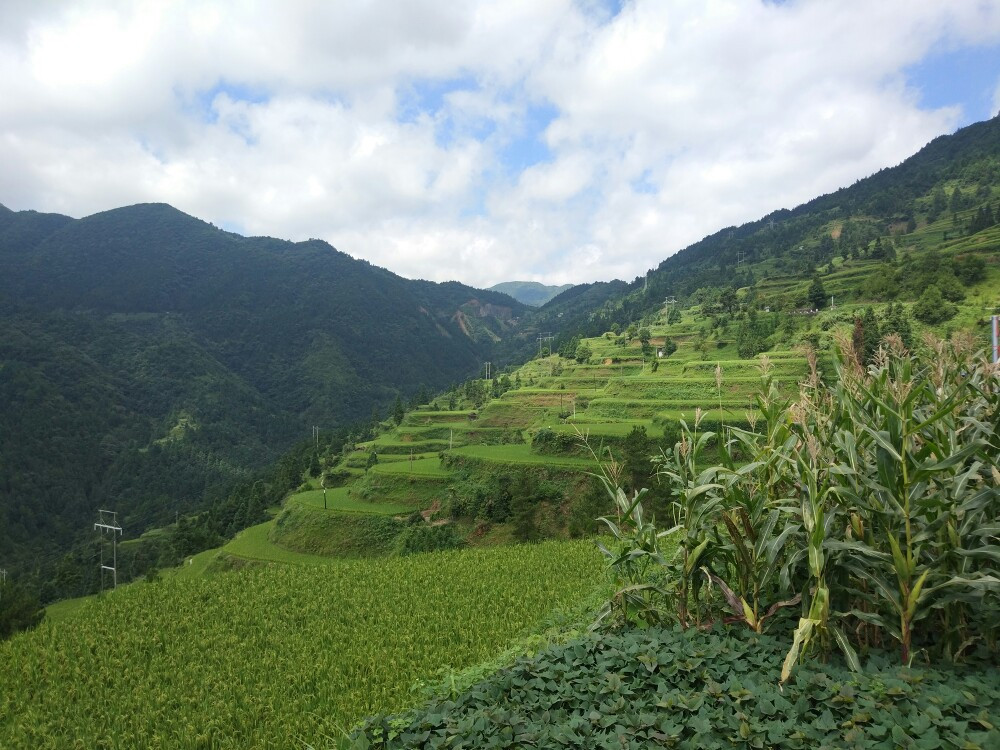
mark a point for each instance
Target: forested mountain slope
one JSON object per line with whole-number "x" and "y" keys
{"x": 149, "y": 359}
{"x": 948, "y": 190}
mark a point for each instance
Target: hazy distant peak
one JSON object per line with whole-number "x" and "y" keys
{"x": 529, "y": 292}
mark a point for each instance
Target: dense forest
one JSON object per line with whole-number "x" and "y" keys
{"x": 150, "y": 362}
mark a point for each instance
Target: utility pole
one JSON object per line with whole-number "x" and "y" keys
{"x": 547, "y": 337}
{"x": 996, "y": 338}
{"x": 668, "y": 304}
{"x": 107, "y": 520}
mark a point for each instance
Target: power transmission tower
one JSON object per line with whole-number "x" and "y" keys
{"x": 741, "y": 257}
{"x": 546, "y": 337}
{"x": 488, "y": 369}
{"x": 107, "y": 520}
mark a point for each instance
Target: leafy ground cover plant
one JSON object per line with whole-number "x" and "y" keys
{"x": 685, "y": 688}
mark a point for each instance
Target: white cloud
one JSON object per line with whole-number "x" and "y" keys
{"x": 673, "y": 119}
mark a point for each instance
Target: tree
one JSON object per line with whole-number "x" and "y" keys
{"x": 372, "y": 460}
{"x": 878, "y": 252}
{"x": 398, "y": 412}
{"x": 637, "y": 450}
{"x": 817, "y": 294}
{"x": 669, "y": 347}
{"x": 932, "y": 307}
{"x": 19, "y": 609}
{"x": 728, "y": 300}
{"x": 956, "y": 203}
{"x": 422, "y": 396}
{"x": 674, "y": 316}
{"x": 969, "y": 269}
{"x": 644, "y": 336}
{"x": 939, "y": 201}
{"x": 583, "y": 352}
{"x": 866, "y": 337}
{"x": 751, "y": 338}
{"x": 897, "y": 322}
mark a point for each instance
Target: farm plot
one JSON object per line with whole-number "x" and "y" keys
{"x": 274, "y": 656}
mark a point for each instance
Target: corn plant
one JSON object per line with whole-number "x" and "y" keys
{"x": 695, "y": 504}
{"x": 761, "y": 551}
{"x": 917, "y": 460}
{"x": 635, "y": 558}
{"x": 873, "y": 502}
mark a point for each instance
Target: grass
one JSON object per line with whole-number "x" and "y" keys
{"x": 425, "y": 466}
{"x": 340, "y": 500}
{"x": 518, "y": 454}
{"x": 194, "y": 567}
{"x": 255, "y": 544}
{"x": 66, "y": 609}
{"x": 610, "y": 429}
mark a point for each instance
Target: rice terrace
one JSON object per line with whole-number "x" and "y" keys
{"x": 268, "y": 493}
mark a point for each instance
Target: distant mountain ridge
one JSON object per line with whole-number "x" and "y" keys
{"x": 148, "y": 358}
{"x": 530, "y": 293}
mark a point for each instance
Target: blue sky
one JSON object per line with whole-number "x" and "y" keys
{"x": 489, "y": 140}
{"x": 966, "y": 77}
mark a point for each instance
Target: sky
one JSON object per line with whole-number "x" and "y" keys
{"x": 560, "y": 141}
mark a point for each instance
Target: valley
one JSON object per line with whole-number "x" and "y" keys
{"x": 702, "y": 453}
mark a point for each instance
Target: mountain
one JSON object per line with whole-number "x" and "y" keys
{"x": 947, "y": 190}
{"x": 530, "y": 292}
{"x": 148, "y": 360}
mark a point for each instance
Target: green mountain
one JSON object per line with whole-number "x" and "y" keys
{"x": 149, "y": 360}
{"x": 859, "y": 240}
{"x": 530, "y": 292}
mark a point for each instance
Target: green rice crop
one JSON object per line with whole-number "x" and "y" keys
{"x": 274, "y": 656}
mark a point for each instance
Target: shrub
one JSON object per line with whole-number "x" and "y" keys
{"x": 932, "y": 308}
